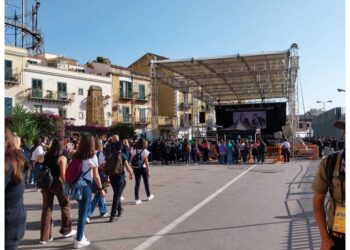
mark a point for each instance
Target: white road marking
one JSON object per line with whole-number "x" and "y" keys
{"x": 150, "y": 241}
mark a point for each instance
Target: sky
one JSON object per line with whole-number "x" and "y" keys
{"x": 123, "y": 31}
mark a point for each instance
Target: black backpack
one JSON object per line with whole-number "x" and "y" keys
{"x": 330, "y": 166}
{"x": 45, "y": 178}
{"x": 137, "y": 161}
{"x": 114, "y": 164}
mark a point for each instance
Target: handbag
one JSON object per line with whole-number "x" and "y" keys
{"x": 75, "y": 190}
{"x": 45, "y": 178}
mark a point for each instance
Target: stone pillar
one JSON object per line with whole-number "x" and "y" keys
{"x": 95, "y": 108}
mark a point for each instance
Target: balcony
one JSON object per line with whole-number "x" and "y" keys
{"x": 166, "y": 121}
{"x": 184, "y": 106}
{"x": 145, "y": 121}
{"x": 141, "y": 100}
{"x": 12, "y": 78}
{"x": 51, "y": 97}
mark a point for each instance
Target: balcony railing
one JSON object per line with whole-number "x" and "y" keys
{"x": 165, "y": 121}
{"x": 12, "y": 78}
{"x": 143, "y": 121}
{"x": 51, "y": 96}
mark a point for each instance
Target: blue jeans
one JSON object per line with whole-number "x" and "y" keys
{"x": 98, "y": 199}
{"x": 37, "y": 167}
{"x": 222, "y": 158}
{"x": 84, "y": 206}
{"x": 229, "y": 158}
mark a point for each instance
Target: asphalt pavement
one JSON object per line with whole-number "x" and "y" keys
{"x": 214, "y": 207}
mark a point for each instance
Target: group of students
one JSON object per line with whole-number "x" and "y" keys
{"x": 230, "y": 152}
{"x": 95, "y": 157}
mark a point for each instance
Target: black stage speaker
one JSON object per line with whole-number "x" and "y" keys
{"x": 201, "y": 117}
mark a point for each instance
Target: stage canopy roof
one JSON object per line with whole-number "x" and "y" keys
{"x": 229, "y": 79}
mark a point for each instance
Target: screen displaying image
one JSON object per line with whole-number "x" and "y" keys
{"x": 249, "y": 120}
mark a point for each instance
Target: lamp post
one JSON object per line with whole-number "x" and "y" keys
{"x": 324, "y": 104}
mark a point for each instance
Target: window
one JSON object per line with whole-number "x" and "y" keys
{"x": 300, "y": 125}
{"x": 62, "y": 112}
{"x": 37, "y": 88}
{"x": 8, "y": 106}
{"x": 32, "y": 62}
{"x": 126, "y": 118}
{"x": 81, "y": 115}
{"x": 80, "y": 92}
{"x": 142, "y": 113}
{"x": 125, "y": 89}
{"x": 307, "y": 125}
{"x": 141, "y": 92}
{"x": 8, "y": 70}
{"x": 62, "y": 90}
{"x": 38, "y": 108}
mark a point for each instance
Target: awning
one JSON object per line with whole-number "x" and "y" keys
{"x": 229, "y": 79}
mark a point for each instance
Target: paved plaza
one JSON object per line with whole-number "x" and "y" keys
{"x": 201, "y": 207}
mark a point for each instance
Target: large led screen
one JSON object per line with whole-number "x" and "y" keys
{"x": 249, "y": 120}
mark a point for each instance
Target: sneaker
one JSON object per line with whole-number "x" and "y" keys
{"x": 88, "y": 220}
{"x": 44, "y": 242}
{"x": 150, "y": 197}
{"x": 122, "y": 198}
{"x": 83, "y": 243}
{"x": 105, "y": 215}
{"x": 138, "y": 202}
{"x": 71, "y": 234}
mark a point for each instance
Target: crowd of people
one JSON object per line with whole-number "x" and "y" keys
{"x": 97, "y": 155}
{"x": 104, "y": 163}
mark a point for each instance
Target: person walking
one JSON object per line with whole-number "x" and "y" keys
{"x": 98, "y": 199}
{"x": 38, "y": 154}
{"x": 141, "y": 168}
{"x": 186, "y": 151}
{"x": 115, "y": 166}
{"x": 261, "y": 150}
{"x": 57, "y": 163}
{"x": 15, "y": 213}
{"x": 286, "y": 150}
{"x": 229, "y": 152}
{"x": 86, "y": 153}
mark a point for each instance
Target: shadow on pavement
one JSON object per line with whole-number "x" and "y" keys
{"x": 302, "y": 231}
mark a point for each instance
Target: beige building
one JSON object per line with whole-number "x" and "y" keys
{"x": 15, "y": 61}
{"x": 164, "y": 104}
{"x": 131, "y": 96}
{"x": 174, "y": 112}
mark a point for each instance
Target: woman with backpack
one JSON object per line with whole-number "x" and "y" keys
{"x": 86, "y": 153}
{"x": 57, "y": 163}
{"x": 140, "y": 165}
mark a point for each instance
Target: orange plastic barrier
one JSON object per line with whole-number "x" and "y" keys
{"x": 305, "y": 151}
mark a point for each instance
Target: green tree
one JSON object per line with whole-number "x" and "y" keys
{"x": 104, "y": 60}
{"x": 23, "y": 123}
{"x": 124, "y": 130}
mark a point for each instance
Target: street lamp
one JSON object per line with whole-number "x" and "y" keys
{"x": 324, "y": 104}
{"x": 341, "y": 90}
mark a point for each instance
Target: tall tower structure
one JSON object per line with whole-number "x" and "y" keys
{"x": 94, "y": 107}
{"x": 21, "y": 25}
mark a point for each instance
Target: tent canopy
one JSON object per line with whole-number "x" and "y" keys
{"x": 228, "y": 79}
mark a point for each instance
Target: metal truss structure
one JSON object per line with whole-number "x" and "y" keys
{"x": 21, "y": 25}
{"x": 235, "y": 79}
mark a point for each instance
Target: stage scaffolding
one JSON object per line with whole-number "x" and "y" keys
{"x": 236, "y": 79}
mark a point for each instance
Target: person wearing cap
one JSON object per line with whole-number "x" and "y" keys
{"x": 330, "y": 177}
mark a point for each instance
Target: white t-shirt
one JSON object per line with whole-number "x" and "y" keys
{"x": 144, "y": 154}
{"x": 101, "y": 158}
{"x": 37, "y": 152}
{"x": 89, "y": 163}
{"x": 286, "y": 145}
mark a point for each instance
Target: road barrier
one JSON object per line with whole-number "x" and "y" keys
{"x": 297, "y": 151}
